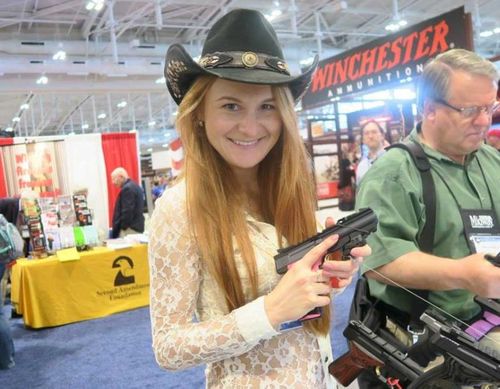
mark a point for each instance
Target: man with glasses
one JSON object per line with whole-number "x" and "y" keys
{"x": 456, "y": 99}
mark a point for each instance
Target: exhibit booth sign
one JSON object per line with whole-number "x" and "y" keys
{"x": 392, "y": 59}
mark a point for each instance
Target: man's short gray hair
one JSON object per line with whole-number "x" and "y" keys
{"x": 434, "y": 82}
{"x": 119, "y": 172}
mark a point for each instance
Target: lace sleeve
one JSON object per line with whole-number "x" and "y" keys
{"x": 175, "y": 277}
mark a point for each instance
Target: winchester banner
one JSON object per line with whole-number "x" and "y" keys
{"x": 395, "y": 58}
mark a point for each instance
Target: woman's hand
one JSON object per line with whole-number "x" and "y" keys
{"x": 340, "y": 272}
{"x": 302, "y": 288}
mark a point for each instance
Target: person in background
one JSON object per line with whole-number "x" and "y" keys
{"x": 456, "y": 98}
{"x": 373, "y": 138}
{"x": 246, "y": 190}
{"x": 157, "y": 190}
{"x": 128, "y": 216}
{"x": 6, "y": 341}
{"x": 493, "y": 138}
{"x": 347, "y": 179}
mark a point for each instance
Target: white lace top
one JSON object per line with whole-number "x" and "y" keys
{"x": 241, "y": 348}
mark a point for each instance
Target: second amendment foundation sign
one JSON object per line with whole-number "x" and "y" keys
{"x": 394, "y": 58}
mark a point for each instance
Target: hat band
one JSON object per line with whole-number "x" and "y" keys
{"x": 244, "y": 60}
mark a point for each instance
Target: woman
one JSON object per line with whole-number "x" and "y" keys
{"x": 246, "y": 191}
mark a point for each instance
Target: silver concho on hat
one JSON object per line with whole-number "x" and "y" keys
{"x": 249, "y": 59}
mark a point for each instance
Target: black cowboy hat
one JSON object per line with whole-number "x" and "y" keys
{"x": 241, "y": 46}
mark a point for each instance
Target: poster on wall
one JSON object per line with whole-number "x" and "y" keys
{"x": 326, "y": 170}
{"x": 32, "y": 167}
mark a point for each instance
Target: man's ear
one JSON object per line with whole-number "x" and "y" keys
{"x": 429, "y": 111}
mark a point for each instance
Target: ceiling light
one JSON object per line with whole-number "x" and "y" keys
{"x": 160, "y": 80}
{"x": 24, "y": 106}
{"x": 274, "y": 14}
{"x": 149, "y": 150}
{"x": 151, "y": 123}
{"x": 9, "y": 129}
{"x": 95, "y": 5}
{"x": 165, "y": 145}
{"x": 16, "y": 119}
{"x": 122, "y": 104}
{"x": 42, "y": 80}
{"x": 307, "y": 61}
{"x": 85, "y": 126}
{"x": 59, "y": 56}
{"x": 101, "y": 116}
{"x": 486, "y": 34}
{"x": 496, "y": 30}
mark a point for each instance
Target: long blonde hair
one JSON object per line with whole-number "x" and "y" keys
{"x": 214, "y": 198}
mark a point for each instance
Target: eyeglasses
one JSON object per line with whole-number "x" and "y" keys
{"x": 471, "y": 112}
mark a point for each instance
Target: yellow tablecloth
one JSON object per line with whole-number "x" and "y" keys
{"x": 48, "y": 292}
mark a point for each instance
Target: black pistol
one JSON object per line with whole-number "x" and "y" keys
{"x": 352, "y": 230}
{"x": 370, "y": 351}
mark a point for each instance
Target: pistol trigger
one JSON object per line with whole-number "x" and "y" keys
{"x": 346, "y": 254}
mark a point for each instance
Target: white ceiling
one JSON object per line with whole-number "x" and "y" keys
{"x": 117, "y": 53}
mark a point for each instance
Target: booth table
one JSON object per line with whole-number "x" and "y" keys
{"x": 48, "y": 292}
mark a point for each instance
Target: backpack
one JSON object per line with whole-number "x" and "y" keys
{"x": 11, "y": 242}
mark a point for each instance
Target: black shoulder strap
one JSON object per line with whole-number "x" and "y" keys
{"x": 426, "y": 238}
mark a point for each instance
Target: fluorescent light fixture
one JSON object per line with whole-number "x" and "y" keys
{"x": 307, "y": 61}
{"x": 486, "y": 34}
{"x": 95, "y": 5}
{"x": 274, "y": 14}
{"x": 77, "y": 73}
{"x": 151, "y": 123}
{"x": 160, "y": 80}
{"x": 151, "y": 140}
{"x": 85, "y": 126}
{"x": 101, "y": 116}
{"x": 9, "y": 129}
{"x": 42, "y": 80}
{"x": 16, "y": 119}
{"x": 59, "y": 56}
{"x": 165, "y": 145}
{"x": 149, "y": 150}
{"x": 24, "y": 106}
{"x": 496, "y": 30}
{"x": 122, "y": 104}
{"x": 396, "y": 25}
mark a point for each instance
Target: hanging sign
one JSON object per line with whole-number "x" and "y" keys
{"x": 395, "y": 58}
